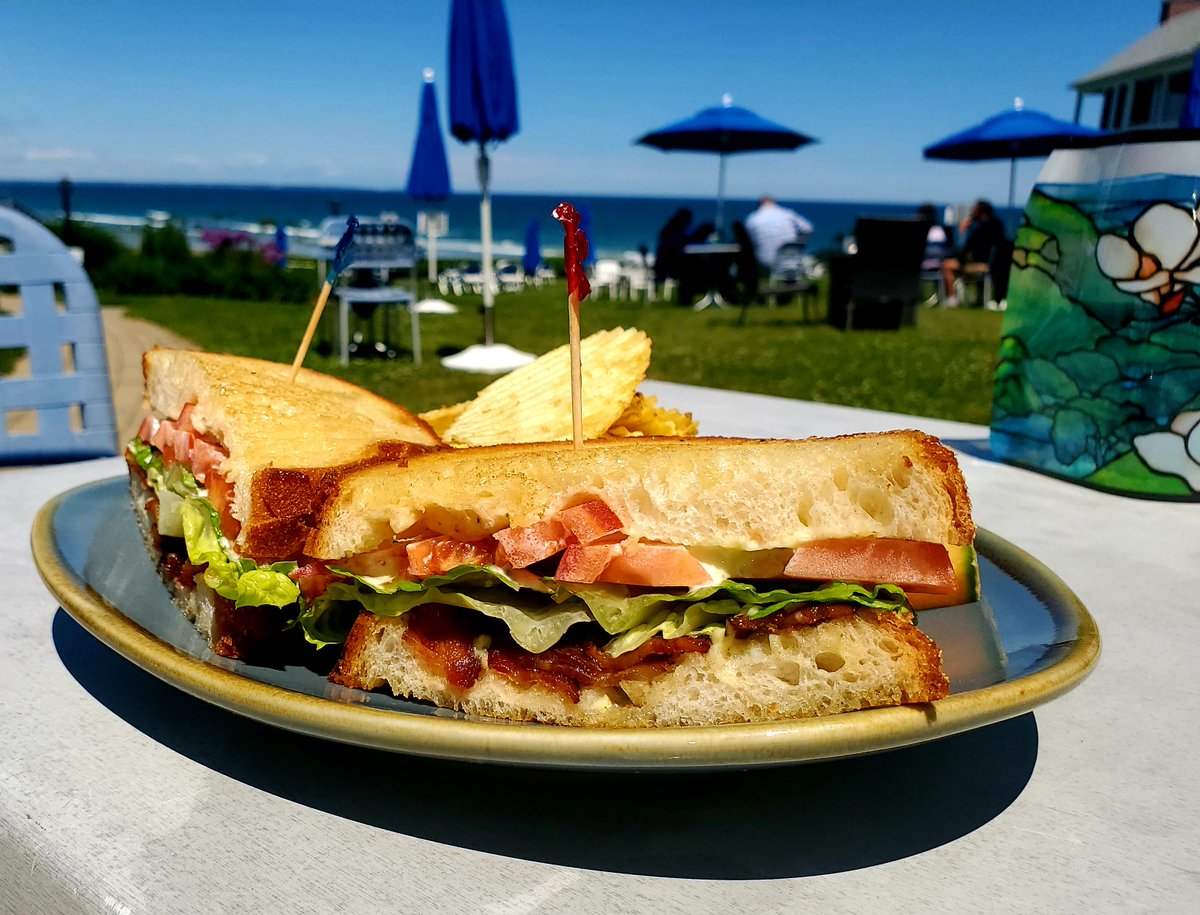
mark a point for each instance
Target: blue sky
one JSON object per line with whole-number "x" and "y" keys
{"x": 320, "y": 94}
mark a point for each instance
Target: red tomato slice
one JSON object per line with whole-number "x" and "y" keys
{"x": 523, "y": 546}
{"x": 390, "y": 561}
{"x": 436, "y": 555}
{"x": 160, "y": 438}
{"x": 206, "y": 457}
{"x": 590, "y": 521}
{"x": 185, "y": 417}
{"x": 585, "y": 564}
{"x": 655, "y": 565}
{"x": 912, "y": 564}
{"x": 220, "y": 494}
{"x": 147, "y": 429}
{"x": 651, "y": 565}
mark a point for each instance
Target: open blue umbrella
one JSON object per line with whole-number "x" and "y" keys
{"x": 1189, "y": 117}
{"x": 1017, "y": 133}
{"x": 429, "y": 175}
{"x": 726, "y": 129}
{"x": 483, "y": 105}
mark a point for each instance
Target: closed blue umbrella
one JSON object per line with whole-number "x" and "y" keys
{"x": 533, "y": 248}
{"x": 585, "y": 226}
{"x": 281, "y": 246}
{"x": 726, "y": 129}
{"x": 1018, "y": 133}
{"x": 483, "y": 105}
{"x": 429, "y": 175}
{"x": 1189, "y": 117}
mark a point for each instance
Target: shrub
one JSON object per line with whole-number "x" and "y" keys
{"x": 100, "y": 248}
{"x": 165, "y": 265}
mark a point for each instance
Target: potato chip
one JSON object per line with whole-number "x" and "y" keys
{"x": 533, "y": 403}
{"x": 645, "y": 417}
{"x": 441, "y": 419}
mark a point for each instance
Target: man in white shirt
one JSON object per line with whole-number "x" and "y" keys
{"x": 772, "y": 226}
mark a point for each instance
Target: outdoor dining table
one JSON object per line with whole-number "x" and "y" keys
{"x": 122, "y": 794}
{"x": 716, "y": 258}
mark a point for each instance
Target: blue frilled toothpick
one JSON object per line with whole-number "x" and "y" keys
{"x": 343, "y": 256}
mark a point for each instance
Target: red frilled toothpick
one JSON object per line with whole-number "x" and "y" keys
{"x": 575, "y": 249}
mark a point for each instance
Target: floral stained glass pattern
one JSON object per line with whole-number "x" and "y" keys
{"x": 1099, "y": 371}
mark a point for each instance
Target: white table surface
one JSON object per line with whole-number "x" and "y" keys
{"x": 119, "y": 794}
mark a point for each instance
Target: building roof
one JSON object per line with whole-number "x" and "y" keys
{"x": 1175, "y": 40}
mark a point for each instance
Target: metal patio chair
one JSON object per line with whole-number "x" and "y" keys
{"x": 57, "y": 402}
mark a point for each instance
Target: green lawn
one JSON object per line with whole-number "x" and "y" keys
{"x": 942, "y": 367}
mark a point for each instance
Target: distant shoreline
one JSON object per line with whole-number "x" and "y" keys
{"x": 615, "y": 224}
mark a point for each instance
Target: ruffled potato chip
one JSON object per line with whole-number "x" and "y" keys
{"x": 645, "y": 417}
{"x": 442, "y": 418}
{"x": 533, "y": 403}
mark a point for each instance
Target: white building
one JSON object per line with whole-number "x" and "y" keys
{"x": 1144, "y": 86}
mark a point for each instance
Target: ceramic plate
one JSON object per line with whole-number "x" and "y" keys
{"x": 1027, "y": 642}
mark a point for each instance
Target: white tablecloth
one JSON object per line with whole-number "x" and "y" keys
{"x": 120, "y": 794}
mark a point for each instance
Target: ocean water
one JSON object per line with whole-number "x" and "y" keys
{"x": 616, "y": 224}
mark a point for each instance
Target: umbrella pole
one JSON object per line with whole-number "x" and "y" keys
{"x": 485, "y": 225}
{"x": 431, "y": 259}
{"x": 1012, "y": 181}
{"x": 720, "y": 193}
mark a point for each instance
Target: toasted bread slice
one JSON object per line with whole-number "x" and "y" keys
{"x": 731, "y": 493}
{"x": 286, "y": 441}
{"x": 855, "y": 662}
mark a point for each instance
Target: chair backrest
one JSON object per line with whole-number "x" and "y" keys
{"x": 379, "y": 242}
{"x": 606, "y": 270}
{"x": 62, "y": 408}
{"x": 790, "y": 263}
{"x": 887, "y": 264}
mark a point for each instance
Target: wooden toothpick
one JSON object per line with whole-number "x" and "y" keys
{"x": 575, "y": 249}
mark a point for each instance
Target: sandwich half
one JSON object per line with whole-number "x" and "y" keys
{"x": 227, "y": 472}
{"x": 655, "y": 582}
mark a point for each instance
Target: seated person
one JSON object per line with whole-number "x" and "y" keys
{"x": 771, "y": 226}
{"x": 937, "y": 240}
{"x": 668, "y": 251}
{"x": 981, "y": 232}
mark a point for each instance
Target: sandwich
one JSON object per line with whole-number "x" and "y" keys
{"x": 644, "y": 582}
{"x": 227, "y": 472}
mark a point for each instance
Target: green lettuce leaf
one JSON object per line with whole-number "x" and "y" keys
{"x": 460, "y": 576}
{"x": 537, "y": 621}
{"x": 635, "y": 619}
{"x": 240, "y": 580}
{"x": 617, "y": 611}
{"x": 696, "y": 619}
{"x": 534, "y": 623}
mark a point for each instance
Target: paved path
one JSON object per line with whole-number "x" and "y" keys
{"x": 125, "y": 340}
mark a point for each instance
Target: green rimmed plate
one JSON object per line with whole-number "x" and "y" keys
{"x": 1027, "y": 642}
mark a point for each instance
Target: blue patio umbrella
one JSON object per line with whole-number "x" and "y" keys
{"x": 429, "y": 174}
{"x": 585, "y": 226}
{"x": 1017, "y": 133}
{"x": 483, "y": 105}
{"x": 532, "y": 258}
{"x": 726, "y": 129}
{"x": 1189, "y": 117}
{"x": 281, "y": 246}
